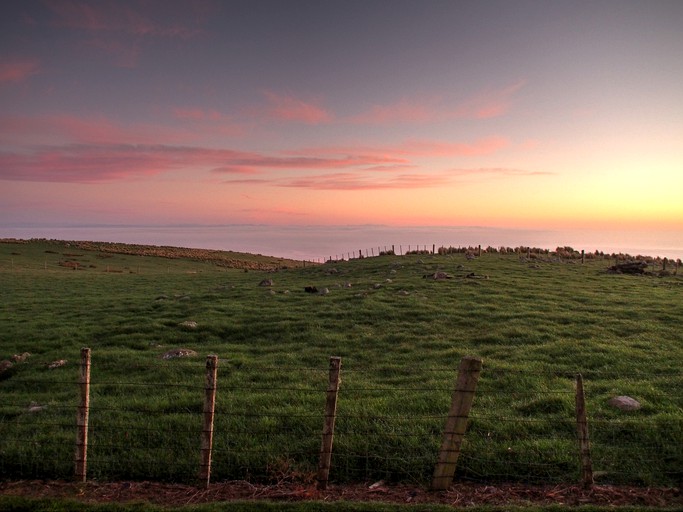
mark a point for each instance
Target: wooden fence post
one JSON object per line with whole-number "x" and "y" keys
{"x": 456, "y": 424}
{"x": 582, "y": 435}
{"x": 207, "y": 428}
{"x": 583, "y": 256}
{"x": 82, "y": 415}
{"x": 328, "y": 426}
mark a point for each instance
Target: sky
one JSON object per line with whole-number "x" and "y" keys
{"x": 513, "y": 114}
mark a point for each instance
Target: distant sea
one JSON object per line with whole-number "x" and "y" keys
{"x": 315, "y": 243}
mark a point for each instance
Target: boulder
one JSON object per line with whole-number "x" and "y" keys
{"x": 266, "y": 282}
{"x": 629, "y": 267}
{"x": 624, "y": 403}
{"x": 188, "y": 324}
{"x": 178, "y": 352}
{"x": 20, "y": 358}
{"x": 57, "y": 364}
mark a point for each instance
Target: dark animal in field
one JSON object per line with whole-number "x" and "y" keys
{"x": 311, "y": 289}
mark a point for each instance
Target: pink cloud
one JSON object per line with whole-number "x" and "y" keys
{"x": 126, "y": 54}
{"x": 355, "y": 181}
{"x": 364, "y": 181}
{"x": 485, "y": 105}
{"x": 289, "y": 108}
{"x": 197, "y": 114}
{"x": 498, "y": 172}
{"x": 91, "y": 130}
{"x": 417, "y": 148}
{"x": 17, "y": 70}
{"x": 488, "y": 104}
{"x": 117, "y": 17}
{"x": 405, "y": 111}
{"x": 90, "y": 163}
{"x": 481, "y": 147}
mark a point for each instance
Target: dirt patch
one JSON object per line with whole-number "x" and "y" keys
{"x": 458, "y": 495}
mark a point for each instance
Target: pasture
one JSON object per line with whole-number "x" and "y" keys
{"x": 400, "y": 333}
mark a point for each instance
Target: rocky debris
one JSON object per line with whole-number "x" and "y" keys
{"x": 404, "y": 293}
{"x": 178, "y": 352}
{"x": 333, "y": 271}
{"x": 437, "y": 276}
{"x": 388, "y": 281}
{"x": 311, "y": 289}
{"x": 188, "y": 324}
{"x": 624, "y": 403}
{"x": 629, "y": 267}
{"x": 376, "y": 286}
{"x": 35, "y": 407}
{"x": 57, "y": 364}
{"x": 161, "y": 297}
{"x": 472, "y": 275}
{"x": 324, "y": 291}
{"x": 20, "y": 358}
{"x": 5, "y": 365}
{"x": 501, "y": 496}
{"x": 266, "y": 282}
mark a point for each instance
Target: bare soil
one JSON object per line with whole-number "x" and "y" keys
{"x": 460, "y": 495}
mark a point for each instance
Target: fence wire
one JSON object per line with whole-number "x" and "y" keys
{"x": 268, "y": 423}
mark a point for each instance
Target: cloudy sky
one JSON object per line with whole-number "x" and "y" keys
{"x": 525, "y": 114}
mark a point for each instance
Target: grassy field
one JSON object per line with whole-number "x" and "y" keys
{"x": 535, "y": 323}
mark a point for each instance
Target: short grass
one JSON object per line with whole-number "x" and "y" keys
{"x": 400, "y": 335}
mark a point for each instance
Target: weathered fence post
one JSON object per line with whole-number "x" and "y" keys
{"x": 583, "y": 256}
{"x": 328, "y": 427}
{"x": 582, "y": 435}
{"x": 82, "y": 415}
{"x": 207, "y": 428}
{"x": 479, "y": 251}
{"x": 454, "y": 432}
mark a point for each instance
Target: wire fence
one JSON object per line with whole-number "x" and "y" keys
{"x": 149, "y": 422}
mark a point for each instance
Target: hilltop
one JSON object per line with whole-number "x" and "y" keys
{"x": 226, "y": 259}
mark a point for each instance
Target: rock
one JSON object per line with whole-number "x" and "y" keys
{"x": 472, "y": 275}
{"x": 347, "y": 285}
{"x": 438, "y": 276}
{"x": 388, "y": 281}
{"x": 20, "y": 358}
{"x": 376, "y": 286}
{"x": 404, "y": 293}
{"x": 188, "y": 324}
{"x": 34, "y": 407}
{"x": 629, "y": 267}
{"x": 5, "y": 365}
{"x": 625, "y": 403}
{"x": 179, "y": 352}
{"x": 161, "y": 297}
{"x": 56, "y": 364}
{"x": 266, "y": 282}
{"x": 324, "y": 291}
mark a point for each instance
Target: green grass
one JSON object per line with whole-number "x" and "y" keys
{"x": 535, "y": 326}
